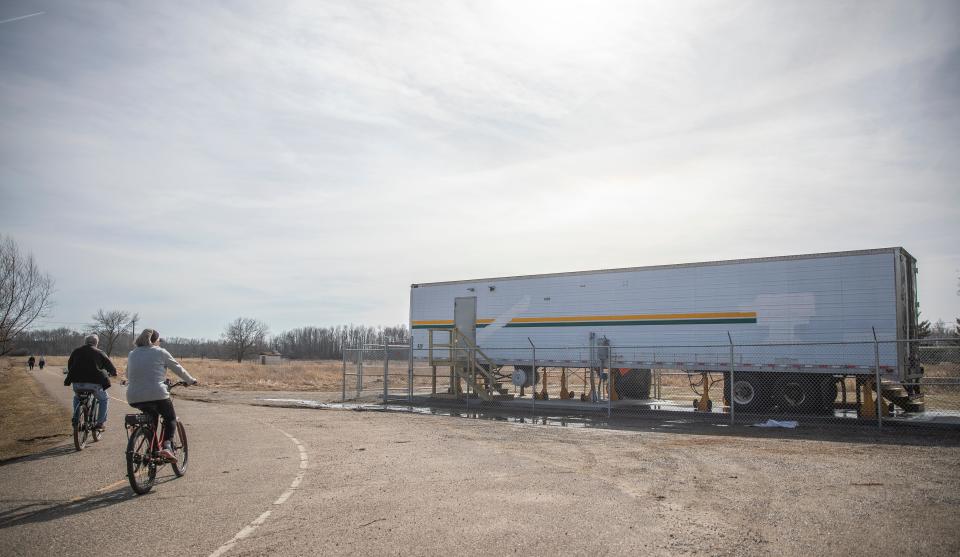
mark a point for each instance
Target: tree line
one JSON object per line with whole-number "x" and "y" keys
{"x": 304, "y": 343}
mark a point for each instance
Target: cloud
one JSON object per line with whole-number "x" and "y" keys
{"x": 305, "y": 162}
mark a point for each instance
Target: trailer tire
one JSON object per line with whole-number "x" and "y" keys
{"x": 635, "y": 384}
{"x": 747, "y": 392}
{"x": 532, "y": 377}
{"x": 805, "y": 393}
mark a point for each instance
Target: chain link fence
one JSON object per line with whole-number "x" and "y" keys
{"x": 774, "y": 385}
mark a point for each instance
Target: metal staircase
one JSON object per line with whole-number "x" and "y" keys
{"x": 467, "y": 363}
{"x": 895, "y": 393}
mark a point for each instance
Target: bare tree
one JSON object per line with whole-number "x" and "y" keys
{"x": 244, "y": 334}
{"x": 25, "y": 293}
{"x": 939, "y": 329}
{"x": 109, "y": 326}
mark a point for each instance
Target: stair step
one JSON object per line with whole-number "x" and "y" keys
{"x": 894, "y": 392}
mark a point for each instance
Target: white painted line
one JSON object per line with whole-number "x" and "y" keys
{"x": 296, "y": 481}
{"x": 249, "y": 528}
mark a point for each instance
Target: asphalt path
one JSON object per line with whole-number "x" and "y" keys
{"x": 240, "y": 472}
{"x": 289, "y": 481}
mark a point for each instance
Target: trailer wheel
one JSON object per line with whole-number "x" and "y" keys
{"x": 746, "y": 392}
{"x": 794, "y": 392}
{"x": 806, "y": 394}
{"x": 532, "y": 377}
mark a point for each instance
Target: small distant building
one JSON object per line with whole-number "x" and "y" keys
{"x": 271, "y": 358}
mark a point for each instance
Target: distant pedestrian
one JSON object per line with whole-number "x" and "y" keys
{"x": 41, "y": 362}
{"x": 30, "y": 361}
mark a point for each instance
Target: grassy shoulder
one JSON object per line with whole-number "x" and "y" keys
{"x": 30, "y": 419}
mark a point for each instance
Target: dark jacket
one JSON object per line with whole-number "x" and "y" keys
{"x": 89, "y": 364}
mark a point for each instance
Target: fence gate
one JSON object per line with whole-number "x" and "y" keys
{"x": 377, "y": 371}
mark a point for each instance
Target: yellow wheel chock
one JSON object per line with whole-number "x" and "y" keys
{"x": 868, "y": 408}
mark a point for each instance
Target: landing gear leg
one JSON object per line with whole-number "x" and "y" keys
{"x": 704, "y": 404}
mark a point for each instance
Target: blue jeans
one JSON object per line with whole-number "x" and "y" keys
{"x": 101, "y": 397}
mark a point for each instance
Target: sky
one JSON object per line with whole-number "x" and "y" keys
{"x": 303, "y": 163}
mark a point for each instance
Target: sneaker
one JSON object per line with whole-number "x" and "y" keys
{"x": 100, "y": 427}
{"x": 166, "y": 453}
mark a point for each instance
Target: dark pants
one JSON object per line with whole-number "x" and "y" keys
{"x": 156, "y": 408}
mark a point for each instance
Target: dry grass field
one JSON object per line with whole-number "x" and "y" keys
{"x": 324, "y": 375}
{"x": 328, "y": 376}
{"x": 30, "y": 419}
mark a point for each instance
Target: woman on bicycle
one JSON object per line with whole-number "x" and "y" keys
{"x": 146, "y": 369}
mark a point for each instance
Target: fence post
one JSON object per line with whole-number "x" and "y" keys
{"x": 610, "y": 382}
{"x": 730, "y": 386}
{"x": 343, "y": 359}
{"x": 657, "y": 386}
{"x": 876, "y": 385}
{"x": 533, "y": 379}
{"x": 386, "y": 370}
{"x": 410, "y": 370}
{"x": 359, "y": 370}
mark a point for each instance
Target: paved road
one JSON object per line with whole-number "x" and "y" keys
{"x": 57, "y": 501}
{"x": 373, "y": 483}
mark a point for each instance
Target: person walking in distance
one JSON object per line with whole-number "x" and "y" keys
{"x": 41, "y": 362}
{"x": 146, "y": 368}
{"x": 89, "y": 369}
{"x": 30, "y": 361}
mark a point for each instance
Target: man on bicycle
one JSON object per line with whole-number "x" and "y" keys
{"x": 88, "y": 369}
{"x": 147, "y": 366}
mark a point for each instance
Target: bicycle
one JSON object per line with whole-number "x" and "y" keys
{"x": 143, "y": 448}
{"x": 85, "y": 419}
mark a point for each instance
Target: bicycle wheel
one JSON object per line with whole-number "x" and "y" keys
{"x": 180, "y": 450}
{"x": 80, "y": 426}
{"x": 92, "y": 419}
{"x": 141, "y": 468}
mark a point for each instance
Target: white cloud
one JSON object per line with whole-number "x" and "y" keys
{"x": 304, "y": 162}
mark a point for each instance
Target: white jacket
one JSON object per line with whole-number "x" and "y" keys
{"x": 146, "y": 370}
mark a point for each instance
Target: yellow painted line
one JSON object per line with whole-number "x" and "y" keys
{"x": 117, "y": 483}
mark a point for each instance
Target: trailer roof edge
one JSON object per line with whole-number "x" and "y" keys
{"x": 675, "y": 266}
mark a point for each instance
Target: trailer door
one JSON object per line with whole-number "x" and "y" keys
{"x": 465, "y": 318}
{"x": 907, "y": 316}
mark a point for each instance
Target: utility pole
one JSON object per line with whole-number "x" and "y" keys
{"x": 133, "y": 326}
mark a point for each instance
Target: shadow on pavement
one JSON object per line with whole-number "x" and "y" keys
{"x": 52, "y": 452}
{"x": 39, "y": 512}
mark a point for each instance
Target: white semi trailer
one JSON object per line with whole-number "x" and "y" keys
{"x": 686, "y": 316}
